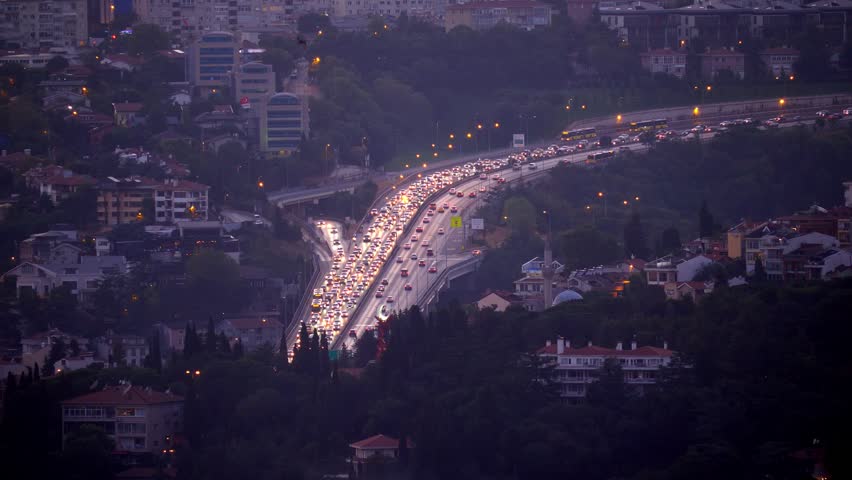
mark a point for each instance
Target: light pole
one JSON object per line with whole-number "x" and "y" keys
{"x": 603, "y": 196}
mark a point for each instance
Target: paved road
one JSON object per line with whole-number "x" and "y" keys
{"x": 240, "y": 216}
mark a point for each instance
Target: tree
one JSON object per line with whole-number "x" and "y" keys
{"x": 705, "y": 221}
{"x": 324, "y": 366}
{"x": 57, "y": 352}
{"x": 281, "y": 61}
{"x": 190, "y": 341}
{"x": 759, "y": 275}
{"x": 56, "y": 64}
{"x": 36, "y": 373}
{"x": 366, "y": 348}
{"x": 238, "y": 349}
{"x": 519, "y": 213}
{"x": 313, "y": 23}
{"x": 210, "y": 338}
{"x": 670, "y": 241}
{"x": 634, "y": 237}
{"x": 224, "y": 345}
{"x": 609, "y": 389}
{"x": 214, "y": 284}
{"x": 147, "y": 39}
{"x": 117, "y": 357}
{"x": 586, "y": 246}
{"x": 87, "y": 454}
{"x": 155, "y": 360}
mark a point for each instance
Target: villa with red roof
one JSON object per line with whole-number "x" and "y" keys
{"x": 376, "y": 449}
{"x": 576, "y": 368}
{"x": 140, "y": 420}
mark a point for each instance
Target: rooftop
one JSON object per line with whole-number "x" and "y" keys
{"x": 379, "y": 442}
{"x": 124, "y": 395}
{"x": 596, "y": 351}
{"x": 127, "y": 107}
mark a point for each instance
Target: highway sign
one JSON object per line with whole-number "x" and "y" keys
{"x": 455, "y": 221}
{"x": 477, "y": 224}
{"x": 518, "y": 140}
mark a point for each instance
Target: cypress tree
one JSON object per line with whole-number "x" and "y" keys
{"x": 36, "y": 374}
{"x": 759, "y": 275}
{"x": 11, "y": 388}
{"x": 211, "y": 335}
{"x": 634, "y": 238}
{"x": 224, "y": 346}
{"x": 705, "y": 221}
{"x": 334, "y": 374}
{"x": 314, "y": 355}
{"x": 324, "y": 368}
{"x": 189, "y": 341}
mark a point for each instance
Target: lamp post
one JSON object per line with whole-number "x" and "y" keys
{"x": 603, "y": 196}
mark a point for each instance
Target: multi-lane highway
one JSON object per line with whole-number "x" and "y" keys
{"x": 366, "y": 272}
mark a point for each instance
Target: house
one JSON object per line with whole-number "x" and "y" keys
{"x": 178, "y": 200}
{"x": 665, "y": 61}
{"x": 774, "y": 241}
{"x": 609, "y": 279}
{"x": 36, "y": 347}
{"x": 683, "y": 290}
{"x": 38, "y": 247}
{"x": 377, "y": 449}
{"x": 534, "y": 267}
{"x": 252, "y": 332}
{"x": 74, "y": 362}
{"x": 127, "y": 114}
{"x": 576, "y": 368}
{"x": 122, "y": 62}
{"x": 66, "y": 183}
{"x": 715, "y": 61}
{"x": 213, "y": 144}
{"x": 221, "y": 117}
{"x": 780, "y": 62}
{"x": 674, "y": 268}
{"x": 139, "y": 420}
{"x": 82, "y": 278}
{"x": 499, "y": 301}
{"x": 132, "y": 348}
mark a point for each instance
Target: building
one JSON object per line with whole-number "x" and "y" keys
{"x": 773, "y": 241}
{"x": 482, "y": 15}
{"x": 716, "y": 61}
{"x": 780, "y": 62}
{"x": 180, "y": 200}
{"x": 58, "y": 183}
{"x": 665, "y": 61}
{"x": 133, "y": 349}
{"x": 252, "y": 332}
{"x": 140, "y": 420}
{"x": 378, "y": 449}
{"x": 609, "y": 279}
{"x": 36, "y": 348}
{"x": 253, "y": 82}
{"x": 74, "y": 362}
{"x": 580, "y": 11}
{"x": 577, "y": 368}
{"x": 221, "y": 118}
{"x": 345, "y": 13}
{"x": 121, "y": 200}
{"x": 44, "y": 24}
{"x": 814, "y": 219}
{"x": 127, "y": 114}
{"x": 81, "y": 278}
{"x": 499, "y": 301}
{"x": 674, "y": 268}
{"x": 212, "y": 60}
{"x": 282, "y": 124}
{"x": 684, "y": 290}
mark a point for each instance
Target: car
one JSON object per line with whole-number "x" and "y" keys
{"x": 421, "y": 263}
{"x": 834, "y": 116}
{"x": 441, "y": 231}
{"x": 407, "y": 287}
{"x": 532, "y": 166}
{"x": 472, "y": 194}
{"x": 257, "y": 219}
{"x": 419, "y": 229}
{"x": 389, "y": 299}
{"x": 452, "y": 191}
{"x": 333, "y": 230}
{"x": 426, "y": 220}
{"x": 454, "y": 209}
{"x": 460, "y": 194}
{"x": 476, "y": 252}
{"x": 379, "y": 294}
{"x": 407, "y": 246}
{"x": 822, "y": 113}
{"x": 385, "y": 281}
{"x": 320, "y": 223}
{"x": 414, "y": 256}
{"x": 440, "y": 210}
{"x": 482, "y": 189}
{"x": 433, "y": 268}
{"x": 352, "y": 333}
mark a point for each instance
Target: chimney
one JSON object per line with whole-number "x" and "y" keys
{"x": 618, "y": 346}
{"x": 547, "y": 343}
{"x": 665, "y": 345}
{"x": 560, "y": 345}
{"x": 567, "y": 344}
{"x": 633, "y": 345}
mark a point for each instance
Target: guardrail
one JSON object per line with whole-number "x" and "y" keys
{"x": 299, "y": 314}
{"x": 449, "y": 273}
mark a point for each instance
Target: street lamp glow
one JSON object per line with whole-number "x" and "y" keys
{"x": 782, "y": 102}
{"x": 435, "y": 154}
{"x": 426, "y": 164}
{"x": 406, "y": 165}
{"x": 469, "y": 135}
{"x": 260, "y": 184}
{"x": 496, "y": 124}
{"x": 624, "y": 202}
{"x": 479, "y": 126}
{"x": 600, "y": 194}
{"x": 417, "y": 156}
{"x": 452, "y": 136}
{"x": 792, "y": 77}
{"x": 696, "y": 111}
{"x": 450, "y": 146}
{"x": 583, "y": 107}
{"x": 709, "y": 88}
{"x": 618, "y": 118}
{"x": 567, "y": 107}
{"x": 636, "y": 198}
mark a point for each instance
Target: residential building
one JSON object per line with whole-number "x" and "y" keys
{"x": 644, "y": 25}
{"x": 499, "y": 301}
{"x": 609, "y": 279}
{"x": 534, "y": 267}
{"x": 736, "y": 237}
{"x": 36, "y": 347}
{"x": 576, "y": 368}
{"x": 847, "y": 194}
{"x": 44, "y": 24}
{"x": 378, "y": 449}
{"x": 121, "y": 200}
{"x": 844, "y": 225}
{"x": 253, "y": 83}
{"x": 773, "y": 241}
{"x": 716, "y": 61}
{"x": 82, "y": 278}
{"x": 127, "y": 114}
{"x": 180, "y": 200}
{"x": 38, "y": 247}
{"x": 252, "y": 332}
{"x": 351, "y": 10}
{"x": 684, "y": 290}
{"x": 139, "y": 420}
{"x": 580, "y": 11}
{"x": 133, "y": 349}
{"x": 674, "y": 268}
{"x": 74, "y": 362}
{"x": 58, "y": 183}
{"x": 482, "y": 15}
{"x": 814, "y": 219}
{"x": 282, "y": 124}
{"x": 212, "y": 60}
{"x": 264, "y": 289}
{"x": 222, "y": 117}
{"x": 664, "y": 60}
{"x": 780, "y": 62}
{"x": 827, "y": 263}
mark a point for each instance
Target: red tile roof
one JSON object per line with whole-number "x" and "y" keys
{"x": 379, "y": 442}
{"x": 596, "y": 351}
{"x": 721, "y": 52}
{"x": 124, "y": 395}
{"x": 127, "y": 107}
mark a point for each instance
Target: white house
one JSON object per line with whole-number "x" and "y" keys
{"x": 69, "y": 364}
{"x": 494, "y": 300}
{"x": 674, "y": 269}
{"x": 82, "y": 278}
{"x": 378, "y": 449}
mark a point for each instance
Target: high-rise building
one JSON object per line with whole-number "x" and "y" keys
{"x": 44, "y": 24}
{"x": 282, "y": 124}
{"x": 212, "y": 61}
{"x": 253, "y": 82}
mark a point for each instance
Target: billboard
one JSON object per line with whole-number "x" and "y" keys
{"x": 477, "y": 224}
{"x": 455, "y": 222}
{"x": 518, "y": 140}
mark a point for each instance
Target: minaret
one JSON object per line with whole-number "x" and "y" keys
{"x": 547, "y": 271}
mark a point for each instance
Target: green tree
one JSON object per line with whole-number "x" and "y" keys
{"x": 669, "y": 241}
{"x": 282, "y": 62}
{"x": 759, "y": 274}
{"x": 313, "y": 22}
{"x": 56, "y": 64}
{"x": 366, "y": 348}
{"x": 586, "y": 247}
{"x": 706, "y": 223}
{"x": 87, "y": 454}
{"x": 147, "y": 39}
{"x": 519, "y": 214}
{"x": 214, "y": 284}
{"x": 635, "y": 243}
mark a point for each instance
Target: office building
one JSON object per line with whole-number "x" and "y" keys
{"x": 44, "y": 24}
{"x": 213, "y": 59}
{"x": 282, "y": 124}
{"x": 253, "y": 83}
{"x": 481, "y": 15}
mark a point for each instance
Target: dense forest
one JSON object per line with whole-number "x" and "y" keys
{"x": 762, "y": 373}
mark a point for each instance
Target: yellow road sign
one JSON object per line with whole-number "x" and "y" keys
{"x": 455, "y": 221}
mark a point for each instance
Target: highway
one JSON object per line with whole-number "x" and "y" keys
{"x": 362, "y": 266}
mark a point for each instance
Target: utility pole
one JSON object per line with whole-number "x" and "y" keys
{"x": 547, "y": 269}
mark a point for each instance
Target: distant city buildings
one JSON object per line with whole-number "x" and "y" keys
{"x": 480, "y": 15}
{"x": 27, "y": 24}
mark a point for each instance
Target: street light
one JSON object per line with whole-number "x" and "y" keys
{"x": 479, "y": 126}
{"x": 496, "y": 124}
{"x": 781, "y": 102}
{"x": 618, "y": 118}
{"x": 452, "y": 136}
{"x": 469, "y": 135}
{"x": 260, "y": 184}
{"x": 696, "y": 111}
{"x": 417, "y": 156}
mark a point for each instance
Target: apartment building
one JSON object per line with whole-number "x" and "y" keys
{"x": 28, "y": 24}
{"x": 121, "y": 200}
{"x": 282, "y": 124}
{"x": 674, "y": 268}
{"x": 577, "y": 368}
{"x": 212, "y": 60}
{"x": 56, "y": 183}
{"x": 393, "y": 8}
{"x": 716, "y": 61}
{"x": 481, "y": 15}
{"x": 81, "y": 278}
{"x": 140, "y": 420}
{"x": 780, "y": 62}
{"x": 253, "y": 83}
{"x": 133, "y": 349}
{"x": 180, "y": 200}
{"x": 664, "y": 60}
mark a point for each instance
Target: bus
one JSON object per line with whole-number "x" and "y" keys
{"x": 649, "y": 125}
{"x": 579, "y": 134}
{"x": 594, "y": 157}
